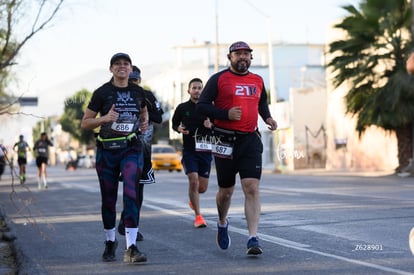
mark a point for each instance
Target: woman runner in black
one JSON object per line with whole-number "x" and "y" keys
{"x": 122, "y": 116}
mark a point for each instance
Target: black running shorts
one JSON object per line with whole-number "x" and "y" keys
{"x": 247, "y": 160}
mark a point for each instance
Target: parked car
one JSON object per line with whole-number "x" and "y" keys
{"x": 165, "y": 157}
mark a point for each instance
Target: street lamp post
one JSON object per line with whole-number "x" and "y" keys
{"x": 272, "y": 85}
{"x": 217, "y": 51}
{"x": 273, "y": 94}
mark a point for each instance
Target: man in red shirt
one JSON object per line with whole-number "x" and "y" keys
{"x": 234, "y": 98}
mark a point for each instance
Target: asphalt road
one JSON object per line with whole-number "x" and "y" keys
{"x": 323, "y": 224}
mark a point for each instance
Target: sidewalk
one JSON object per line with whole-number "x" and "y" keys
{"x": 8, "y": 259}
{"x": 8, "y": 254}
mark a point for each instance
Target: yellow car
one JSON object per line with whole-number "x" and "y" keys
{"x": 165, "y": 157}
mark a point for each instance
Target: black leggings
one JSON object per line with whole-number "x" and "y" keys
{"x": 140, "y": 198}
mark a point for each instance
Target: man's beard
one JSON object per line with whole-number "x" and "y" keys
{"x": 241, "y": 66}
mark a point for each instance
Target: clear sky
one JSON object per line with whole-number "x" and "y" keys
{"x": 85, "y": 34}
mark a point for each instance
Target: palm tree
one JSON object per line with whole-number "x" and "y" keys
{"x": 371, "y": 61}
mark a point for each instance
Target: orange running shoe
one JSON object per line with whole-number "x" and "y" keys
{"x": 191, "y": 205}
{"x": 199, "y": 222}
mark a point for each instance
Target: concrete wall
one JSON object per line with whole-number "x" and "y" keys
{"x": 376, "y": 150}
{"x": 308, "y": 107}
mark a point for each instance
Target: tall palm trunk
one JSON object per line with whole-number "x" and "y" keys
{"x": 405, "y": 146}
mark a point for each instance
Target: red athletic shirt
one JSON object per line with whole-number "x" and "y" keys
{"x": 225, "y": 90}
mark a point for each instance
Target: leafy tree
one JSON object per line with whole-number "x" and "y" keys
{"x": 72, "y": 116}
{"x": 371, "y": 61}
{"x": 45, "y": 125}
{"x": 13, "y": 12}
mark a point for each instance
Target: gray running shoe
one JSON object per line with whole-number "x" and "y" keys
{"x": 133, "y": 255}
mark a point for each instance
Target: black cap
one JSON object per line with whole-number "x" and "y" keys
{"x": 117, "y": 56}
{"x": 134, "y": 75}
{"x": 239, "y": 45}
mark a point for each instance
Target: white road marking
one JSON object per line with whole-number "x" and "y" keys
{"x": 150, "y": 203}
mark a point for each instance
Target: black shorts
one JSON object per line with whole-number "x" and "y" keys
{"x": 2, "y": 165}
{"x": 199, "y": 162}
{"x": 247, "y": 160}
{"x": 148, "y": 175}
{"x": 21, "y": 161}
{"x": 40, "y": 160}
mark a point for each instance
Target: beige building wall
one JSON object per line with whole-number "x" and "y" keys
{"x": 321, "y": 135}
{"x": 308, "y": 108}
{"x": 376, "y": 150}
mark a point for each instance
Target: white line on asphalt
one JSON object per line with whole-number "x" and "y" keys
{"x": 264, "y": 237}
{"x": 271, "y": 239}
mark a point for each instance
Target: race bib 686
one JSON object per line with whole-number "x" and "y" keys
{"x": 124, "y": 128}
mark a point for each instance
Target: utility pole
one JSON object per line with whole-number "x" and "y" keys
{"x": 273, "y": 92}
{"x": 272, "y": 88}
{"x": 217, "y": 49}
